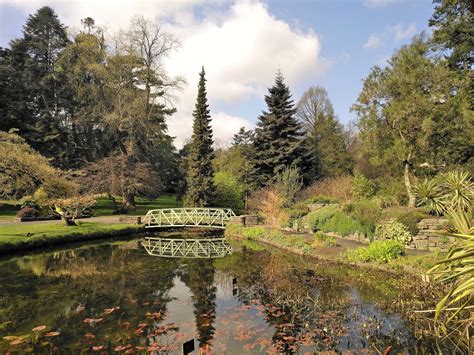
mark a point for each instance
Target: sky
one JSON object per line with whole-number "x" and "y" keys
{"x": 243, "y": 43}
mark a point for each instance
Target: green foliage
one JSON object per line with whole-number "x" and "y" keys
{"x": 457, "y": 268}
{"x": 200, "y": 179}
{"x": 362, "y": 188}
{"x": 228, "y": 192}
{"x": 288, "y": 183}
{"x": 323, "y": 199}
{"x": 321, "y": 238}
{"x": 411, "y": 219}
{"x": 234, "y": 230}
{"x": 381, "y": 251}
{"x": 318, "y": 218}
{"x": 325, "y": 138}
{"x": 278, "y": 143}
{"x": 393, "y": 230}
{"x": 390, "y": 192}
{"x": 338, "y": 187}
{"x": 254, "y": 233}
{"x": 333, "y": 219}
{"x": 23, "y": 171}
{"x": 452, "y": 190}
{"x": 366, "y": 212}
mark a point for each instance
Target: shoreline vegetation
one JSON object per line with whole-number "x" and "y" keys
{"x": 416, "y": 264}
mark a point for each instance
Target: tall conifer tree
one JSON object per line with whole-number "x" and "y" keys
{"x": 278, "y": 137}
{"x": 200, "y": 179}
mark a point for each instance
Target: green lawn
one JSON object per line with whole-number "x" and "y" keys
{"x": 103, "y": 207}
{"x": 30, "y": 235}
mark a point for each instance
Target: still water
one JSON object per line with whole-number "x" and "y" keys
{"x": 113, "y": 297}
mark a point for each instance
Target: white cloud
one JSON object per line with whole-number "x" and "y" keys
{"x": 379, "y": 3}
{"x": 241, "y": 47}
{"x": 374, "y": 41}
{"x": 400, "y": 32}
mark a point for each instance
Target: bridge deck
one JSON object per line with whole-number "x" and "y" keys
{"x": 188, "y": 217}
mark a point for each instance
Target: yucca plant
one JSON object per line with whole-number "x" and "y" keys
{"x": 430, "y": 194}
{"x": 457, "y": 269}
{"x": 458, "y": 189}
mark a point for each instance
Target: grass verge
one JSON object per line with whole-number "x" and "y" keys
{"x": 35, "y": 235}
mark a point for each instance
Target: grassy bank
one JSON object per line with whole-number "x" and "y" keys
{"x": 35, "y": 235}
{"x": 307, "y": 245}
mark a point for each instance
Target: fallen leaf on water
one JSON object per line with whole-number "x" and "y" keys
{"x": 92, "y": 320}
{"x": 89, "y": 336}
{"x": 10, "y": 337}
{"x": 98, "y": 348}
{"x": 52, "y": 334}
{"x": 387, "y": 351}
{"x": 120, "y": 348}
{"x": 111, "y": 310}
{"x": 18, "y": 341}
{"x": 39, "y": 328}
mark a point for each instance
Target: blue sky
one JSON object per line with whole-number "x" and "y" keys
{"x": 242, "y": 43}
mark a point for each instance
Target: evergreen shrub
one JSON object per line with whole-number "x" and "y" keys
{"x": 381, "y": 251}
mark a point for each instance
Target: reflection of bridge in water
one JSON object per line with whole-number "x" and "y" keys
{"x": 188, "y": 247}
{"x": 188, "y": 217}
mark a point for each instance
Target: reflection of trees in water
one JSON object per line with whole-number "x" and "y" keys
{"x": 61, "y": 289}
{"x": 198, "y": 276}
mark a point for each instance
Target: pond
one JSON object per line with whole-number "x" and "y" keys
{"x": 114, "y": 297}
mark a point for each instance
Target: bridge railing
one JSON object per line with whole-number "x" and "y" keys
{"x": 188, "y": 217}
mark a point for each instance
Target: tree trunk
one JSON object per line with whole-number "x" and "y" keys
{"x": 128, "y": 203}
{"x": 406, "y": 177}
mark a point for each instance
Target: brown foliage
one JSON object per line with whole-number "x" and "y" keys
{"x": 339, "y": 187}
{"x": 270, "y": 205}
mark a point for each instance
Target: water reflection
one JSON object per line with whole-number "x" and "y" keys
{"x": 111, "y": 297}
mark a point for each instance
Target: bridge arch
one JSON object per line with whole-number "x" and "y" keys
{"x": 188, "y": 217}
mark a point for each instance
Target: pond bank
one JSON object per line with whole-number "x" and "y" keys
{"x": 32, "y": 235}
{"x": 415, "y": 263}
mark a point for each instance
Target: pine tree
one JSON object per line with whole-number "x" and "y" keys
{"x": 200, "y": 179}
{"x": 278, "y": 139}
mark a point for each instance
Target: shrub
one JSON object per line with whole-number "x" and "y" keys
{"x": 254, "y": 233}
{"x": 287, "y": 184}
{"x": 321, "y": 238}
{"x": 295, "y": 216}
{"x": 333, "y": 219}
{"x": 336, "y": 187}
{"x": 324, "y": 199}
{"x": 361, "y": 187}
{"x": 381, "y": 251}
{"x": 228, "y": 192}
{"x": 271, "y": 207}
{"x": 367, "y": 213}
{"x": 28, "y": 212}
{"x": 411, "y": 219}
{"x": 317, "y": 218}
{"x": 393, "y": 230}
{"x": 391, "y": 192}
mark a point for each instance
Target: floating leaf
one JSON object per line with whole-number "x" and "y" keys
{"x": 39, "y": 328}
{"x": 52, "y": 334}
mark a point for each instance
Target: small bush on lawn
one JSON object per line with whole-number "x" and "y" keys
{"x": 322, "y": 239}
{"x": 393, "y": 230}
{"x": 381, "y": 251}
{"x": 28, "y": 212}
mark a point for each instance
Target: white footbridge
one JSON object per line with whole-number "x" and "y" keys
{"x": 188, "y": 217}
{"x": 209, "y": 248}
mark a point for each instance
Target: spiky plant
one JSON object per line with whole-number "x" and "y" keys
{"x": 458, "y": 189}
{"x": 457, "y": 269}
{"x": 430, "y": 194}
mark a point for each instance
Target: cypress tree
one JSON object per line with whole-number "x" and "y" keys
{"x": 278, "y": 137}
{"x": 200, "y": 179}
